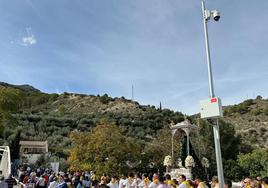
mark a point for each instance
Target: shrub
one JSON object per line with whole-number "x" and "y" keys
{"x": 255, "y": 112}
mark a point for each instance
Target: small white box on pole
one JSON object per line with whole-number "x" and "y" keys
{"x": 211, "y": 108}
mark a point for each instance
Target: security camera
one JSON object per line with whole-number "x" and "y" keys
{"x": 216, "y": 15}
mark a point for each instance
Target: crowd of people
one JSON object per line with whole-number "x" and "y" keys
{"x": 46, "y": 178}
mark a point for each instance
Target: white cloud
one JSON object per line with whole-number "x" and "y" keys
{"x": 29, "y": 39}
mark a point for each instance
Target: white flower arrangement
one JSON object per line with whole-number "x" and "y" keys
{"x": 205, "y": 162}
{"x": 189, "y": 161}
{"x": 167, "y": 161}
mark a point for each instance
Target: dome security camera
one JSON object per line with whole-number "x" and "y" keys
{"x": 216, "y": 15}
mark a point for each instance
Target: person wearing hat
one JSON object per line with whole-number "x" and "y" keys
{"x": 3, "y": 184}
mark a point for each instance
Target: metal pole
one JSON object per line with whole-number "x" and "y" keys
{"x": 172, "y": 147}
{"x": 211, "y": 89}
{"x": 172, "y": 142}
{"x": 188, "y": 144}
{"x": 210, "y": 78}
{"x": 216, "y": 133}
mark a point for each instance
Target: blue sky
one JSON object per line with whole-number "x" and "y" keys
{"x": 105, "y": 46}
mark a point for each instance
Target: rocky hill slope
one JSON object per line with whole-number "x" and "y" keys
{"x": 250, "y": 119}
{"x": 42, "y": 116}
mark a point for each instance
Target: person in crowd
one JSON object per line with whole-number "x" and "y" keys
{"x": 104, "y": 179}
{"x": 182, "y": 182}
{"x": 51, "y": 177}
{"x": 11, "y": 181}
{"x": 94, "y": 180}
{"x": 68, "y": 180}
{"x": 191, "y": 183}
{"x": 86, "y": 181}
{"x": 176, "y": 183}
{"x": 22, "y": 174}
{"x": 41, "y": 182}
{"x": 122, "y": 181}
{"x": 136, "y": 181}
{"x": 255, "y": 184}
{"x": 246, "y": 183}
{"x": 155, "y": 181}
{"x": 62, "y": 183}
{"x": 45, "y": 175}
{"x": 3, "y": 184}
{"x": 87, "y": 174}
{"x": 227, "y": 183}
{"x": 162, "y": 183}
{"x": 144, "y": 181}
{"x": 214, "y": 182}
{"x": 113, "y": 183}
{"x": 128, "y": 182}
{"x": 258, "y": 178}
{"x": 29, "y": 170}
{"x": 196, "y": 181}
{"x": 77, "y": 183}
{"x": 53, "y": 183}
{"x": 168, "y": 180}
{"x": 25, "y": 179}
{"x": 33, "y": 178}
{"x": 265, "y": 182}
{"x": 201, "y": 182}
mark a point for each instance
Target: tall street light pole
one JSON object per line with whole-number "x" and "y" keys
{"x": 216, "y": 16}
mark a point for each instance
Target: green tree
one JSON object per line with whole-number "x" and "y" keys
{"x": 254, "y": 163}
{"x": 62, "y": 109}
{"x": 10, "y": 99}
{"x": 230, "y": 144}
{"x": 105, "y": 99}
{"x": 15, "y": 146}
{"x": 104, "y": 150}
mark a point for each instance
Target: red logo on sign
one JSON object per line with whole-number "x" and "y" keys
{"x": 213, "y": 100}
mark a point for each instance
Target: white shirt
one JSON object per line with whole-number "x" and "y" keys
{"x": 183, "y": 185}
{"x": 53, "y": 184}
{"x": 136, "y": 183}
{"x": 121, "y": 183}
{"x": 113, "y": 185}
{"x": 152, "y": 185}
{"x": 163, "y": 186}
{"x": 127, "y": 183}
{"x": 143, "y": 184}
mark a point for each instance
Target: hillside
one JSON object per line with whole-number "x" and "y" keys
{"x": 82, "y": 112}
{"x": 42, "y": 116}
{"x": 250, "y": 119}
{"x": 52, "y": 117}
